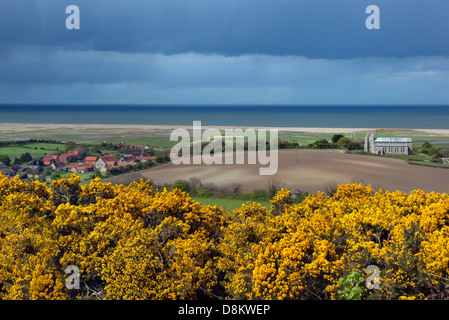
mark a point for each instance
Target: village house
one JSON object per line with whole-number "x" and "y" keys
{"x": 132, "y": 146}
{"x": 129, "y": 158}
{"x": 8, "y": 172}
{"x": 146, "y": 158}
{"x": 53, "y": 161}
{"x": 70, "y": 166}
{"x": 91, "y": 160}
{"x": 69, "y": 156}
{"x": 63, "y": 158}
{"x": 83, "y": 168}
{"x": 48, "y": 159}
{"x": 105, "y": 162}
{"x": 56, "y": 164}
{"x": 134, "y": 152}
{"x": 132, "y": 156}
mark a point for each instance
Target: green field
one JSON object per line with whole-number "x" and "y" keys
{"x": 35, "y": 149}
{"x": 157, "y": 142}
{"x": 418, "y": 137}
{"x": 230, "y": 204}
{"x": 85, "y": 177}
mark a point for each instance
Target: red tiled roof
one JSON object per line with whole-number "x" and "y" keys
{"x": 64, "y": 157}
{"x": 91, "y": 160}
{"x": 146, "y": 158}
{"x": 130, "y": 157}
{"x": 110, "y": 163}
{"x": 124, "y": 163}
{"x": 51, "y": 157}
{"x": 57, "y": 163}
{"x": 83, "y": 167}
{"x": 108, "y": 157}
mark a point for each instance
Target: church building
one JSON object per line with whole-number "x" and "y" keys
{"x": 387, "y": 145}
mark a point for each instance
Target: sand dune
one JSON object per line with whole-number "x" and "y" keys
{"x": 310, "y": 171}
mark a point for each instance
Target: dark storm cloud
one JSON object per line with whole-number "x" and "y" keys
{"x": 310, "y": 28}
{"x": 224, "y": 51}
{"x": 108, "y": 76}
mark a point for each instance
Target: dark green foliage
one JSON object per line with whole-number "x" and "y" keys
{"x": 426, "y": 145}
{"x": 336, "y": 137}
{"x": 181, "y": 185}
{"x": 5, "y": 159}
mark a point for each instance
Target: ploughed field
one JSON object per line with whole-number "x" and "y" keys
{"x": 308, "y": 171}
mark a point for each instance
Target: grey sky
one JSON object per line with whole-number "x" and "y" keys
{"x": 217, "y": 51}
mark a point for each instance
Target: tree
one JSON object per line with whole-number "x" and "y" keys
{"x": 25, "y": 157}
{"x": 285, "y": 144}
{"x": 55, "y": 176}
{"x": 259, "y": 195}
{"x": 426, "y": 145}
{"x": 163, "y": 156}
{"x": 70, "y": 145}
{"x": 5, "y": 159}
{"x": 349, "y": 144}
{"x": 427, "y": 148}
{"x": 336, "y": 138}
{"x": 95, "y": 149}
{"x": 181, "y": 185}
{"x": 344, "y": 142}
{"x": 321, "y": 144}
{"x": 96, "y": 174}
{"x": 444, "y": 152}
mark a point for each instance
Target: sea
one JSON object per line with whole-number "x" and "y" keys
{"x": 329, "y": 116}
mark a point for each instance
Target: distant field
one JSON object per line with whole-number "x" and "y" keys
{"x": 46, "y": 146}
{"x": 230, "y": 204}
{"x": 35, "y": 149}
{"x": 418, "y": 137}
{"x": 309, "y": 171}
{"x": 159, "y": 137}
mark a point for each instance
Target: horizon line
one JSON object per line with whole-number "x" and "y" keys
{"x": 221, "y": 105}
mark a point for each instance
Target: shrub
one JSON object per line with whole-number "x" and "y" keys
{"x": 181, "y": 185}
{"x": 259, "y": 195}
{"x": 135, "y": 242}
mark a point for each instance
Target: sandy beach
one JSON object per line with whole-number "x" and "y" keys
{"x": 36, "y": 126}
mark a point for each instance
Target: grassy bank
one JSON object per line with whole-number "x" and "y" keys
{"x": 226, "y": 204}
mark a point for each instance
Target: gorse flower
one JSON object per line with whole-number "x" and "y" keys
{"x": 135, "y": 242}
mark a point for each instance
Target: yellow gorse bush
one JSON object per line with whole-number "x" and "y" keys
{"x": 135, "y": 242}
